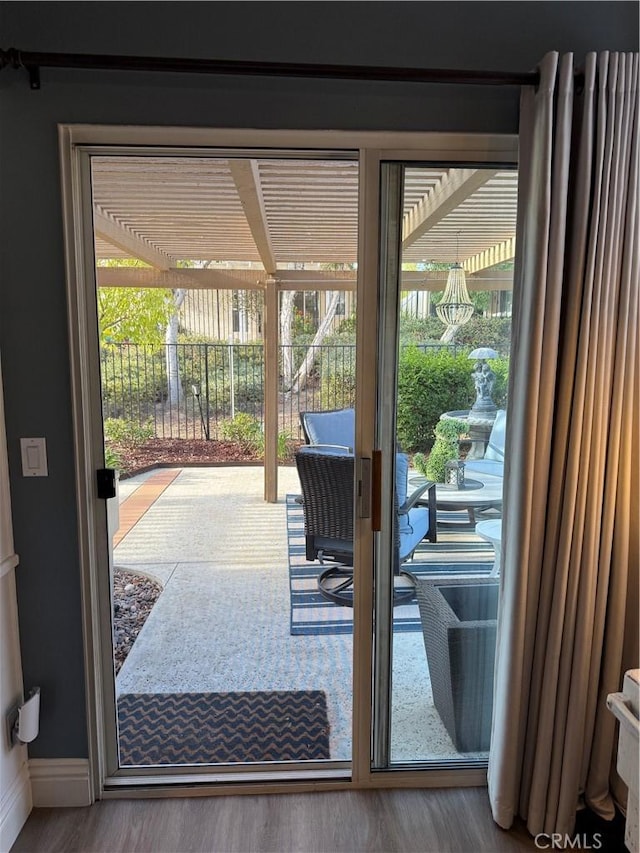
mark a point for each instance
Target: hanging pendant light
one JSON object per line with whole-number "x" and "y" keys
{"x": 455, "y": 308}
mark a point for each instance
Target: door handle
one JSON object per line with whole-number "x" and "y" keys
{"x": 106, "y": 479}
{"x": 364, "y": 487}
{"x": 369, "y": 488}
{"x": 376, "y": 490}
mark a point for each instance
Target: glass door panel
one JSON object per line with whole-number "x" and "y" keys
{"x": 221, "y": 647}
{"x": 446, "y": 272}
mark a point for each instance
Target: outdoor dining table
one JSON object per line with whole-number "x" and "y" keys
{"x": 477, "y": 494}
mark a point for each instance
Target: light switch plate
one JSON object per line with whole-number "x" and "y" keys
{"x": 34, "y": 457}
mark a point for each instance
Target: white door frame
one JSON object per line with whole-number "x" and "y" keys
{"x": 372, "y": 148}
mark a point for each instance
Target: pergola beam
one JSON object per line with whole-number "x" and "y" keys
{"x": 453, "y": 188}
{"x": 242, "y": 279}
{"x": 189, "y": 279}
{"x": 246, "y": 176}
{"x": 436, "y": 280}
{"x": 124, "y": 239}
{"x": 498, "y": 254}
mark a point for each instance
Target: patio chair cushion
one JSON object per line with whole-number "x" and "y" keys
{"x": 402, "y": 475}
{"x": 493, "y": 459}
{"x": 484, "y": 466}
{"x": 414, "y": 526}
{"x": 337, "y": 428}
{"x": 495, "y": 447}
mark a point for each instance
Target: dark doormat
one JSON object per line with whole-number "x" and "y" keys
{"x": 221, "y": 728}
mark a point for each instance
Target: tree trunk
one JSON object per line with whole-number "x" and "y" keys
{"x": 449, "y": 334}
{"x": 286, "y": 323}
{"x": 300, "y": 378}
{"x": 175, "y": 392}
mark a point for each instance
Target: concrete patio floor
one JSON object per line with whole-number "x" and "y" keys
{"x": 222, "y": 620}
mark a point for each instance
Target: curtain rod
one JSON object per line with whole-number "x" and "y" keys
{"x": 32, "y": 62}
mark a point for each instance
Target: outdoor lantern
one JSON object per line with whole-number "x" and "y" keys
{"x": 454, "y": 474}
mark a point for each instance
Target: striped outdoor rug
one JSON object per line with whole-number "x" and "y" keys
{"x": 457, "y": 552}
{"x": 222, "y": 728}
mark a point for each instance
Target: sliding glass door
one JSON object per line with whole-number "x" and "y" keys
{"x": 446, "y": 265}
{"x": 252, "y": 239}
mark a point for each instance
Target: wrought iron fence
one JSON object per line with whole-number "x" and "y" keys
{"x": 215, "y": 382}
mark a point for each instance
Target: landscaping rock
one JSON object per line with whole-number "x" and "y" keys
{"x": 134, "y": 596}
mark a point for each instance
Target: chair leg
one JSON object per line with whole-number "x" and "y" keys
{"x": 336, "y": 584}
{"x": 404, "y": 593}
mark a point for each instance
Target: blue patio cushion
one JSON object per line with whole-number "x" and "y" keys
{"x": 495, "y": 447}
{"x": 332, "y": 428}
{"x": 402, "y": 475}
{"x": 493, "y": 460}
{"x": 413, "y": 531}
{"x": 413, "y": 525}
{"x": 484, "y": 466}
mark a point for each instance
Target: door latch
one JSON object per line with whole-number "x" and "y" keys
{"x": 106, "y": 479}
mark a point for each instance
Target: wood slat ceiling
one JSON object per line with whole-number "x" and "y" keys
{"x": 284, "y": 212}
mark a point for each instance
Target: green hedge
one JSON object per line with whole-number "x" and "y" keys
{"x": 480, "y": 331}
{"x": 430, "y": 383}
{"x": 494, "y": 332}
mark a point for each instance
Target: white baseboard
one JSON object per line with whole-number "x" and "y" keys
{"x": 60, "y": 782}
{"x": 15, "y": 808}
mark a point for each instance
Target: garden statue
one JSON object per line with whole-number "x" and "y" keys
{"x": 484, "y": 379}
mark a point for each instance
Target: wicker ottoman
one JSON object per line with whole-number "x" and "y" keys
{"x": 459, "y": 623}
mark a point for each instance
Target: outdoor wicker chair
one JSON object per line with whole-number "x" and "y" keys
{"x": 327, "y": 481}
{"x": 459, "y": 625}
{"x": 330, "y": 428}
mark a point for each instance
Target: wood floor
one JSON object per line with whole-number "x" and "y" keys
{"x": 424, "y": 821}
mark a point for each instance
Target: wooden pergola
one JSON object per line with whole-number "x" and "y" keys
{"x": 255, "y": 219}
{"x": 278, "y": 223}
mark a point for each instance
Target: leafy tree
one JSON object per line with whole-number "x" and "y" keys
{"x": 295, "y": 383}
{"x": 127, "y": 315}
{"x": 130, "y": 315}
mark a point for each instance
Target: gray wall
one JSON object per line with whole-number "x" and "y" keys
{"x": 33, "y": 323}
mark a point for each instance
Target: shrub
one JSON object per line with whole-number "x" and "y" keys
{"x": 338, "y": 388}
{"x": 429, "y": 383}
{"x": 419, "y": 330}
{"x": 478, "y": 332}
{"x": 445, "y": 447}
{"x": 420, "y": 463}
{"x": 112, "y": 458}
{"x": 244, "y": 430}
{"x": 285, "y": 446}
{"x": 130, "y": 433}
{"x": 494, "y": 332}
{"x": 133, "y": 379}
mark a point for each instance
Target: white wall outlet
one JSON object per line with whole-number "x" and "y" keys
{"x": 34, "y": 457}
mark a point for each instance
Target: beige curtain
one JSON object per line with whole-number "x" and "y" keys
{"x": 568, "y": 609}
